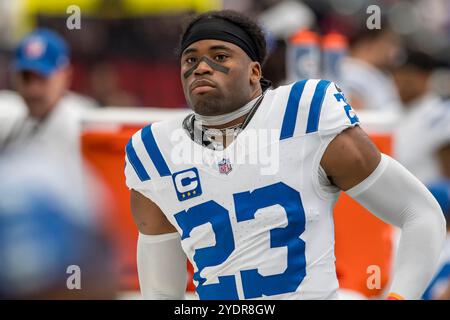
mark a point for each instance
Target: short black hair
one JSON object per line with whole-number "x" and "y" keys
{"x": 362, "y": 34}
{"x": 421, "y": 60}
{"x": 244, "y": 22}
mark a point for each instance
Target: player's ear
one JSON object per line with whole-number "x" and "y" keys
{"x": 255, "y": 72}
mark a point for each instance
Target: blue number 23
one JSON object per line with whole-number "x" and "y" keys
{"x": 247, "y": 204}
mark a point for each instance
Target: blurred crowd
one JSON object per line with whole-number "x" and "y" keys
{"x": 124, "y": 55}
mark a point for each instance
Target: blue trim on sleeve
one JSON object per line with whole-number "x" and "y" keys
{"x": 135, "y": 162}
{"x": 154, "y": 152}
{"x": 316, "y": 106}
{"x": 290, "y": 115}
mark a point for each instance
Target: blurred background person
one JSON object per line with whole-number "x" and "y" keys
{"x": 42, "y": 75}
{"x": 443, "y": 151}
{"x": 365, "y": 72}
{"x": 48, "y": 226}
{"x": 43, "y": 121}
{"x": 423, "y": 133}
{"x": 105, "y": 88}
{"x": 12, "y": 109}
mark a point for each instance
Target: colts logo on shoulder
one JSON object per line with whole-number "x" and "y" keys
{"x": 187, "y": 184}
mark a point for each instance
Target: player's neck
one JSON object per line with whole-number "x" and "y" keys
{"x": 228, "y": 124}
{"x": 230, "y": 119}
{"x": 222, "y": 130}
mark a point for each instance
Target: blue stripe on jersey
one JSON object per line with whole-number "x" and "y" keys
{"x": 316, "y": 106}
{"x": 153, "y": 151}
{"x": 290, "y": 115}
{"x": 136, "y": 163}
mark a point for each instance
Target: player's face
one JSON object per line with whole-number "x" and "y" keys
{"x": 218, "y": 77}
{"x": 41, "y": 93}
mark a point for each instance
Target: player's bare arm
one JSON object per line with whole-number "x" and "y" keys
{"x": 148, "y": 217}
{"x": 350, "y": 158}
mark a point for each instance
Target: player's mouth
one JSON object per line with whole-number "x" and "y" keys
{"x": 201, "y": 86}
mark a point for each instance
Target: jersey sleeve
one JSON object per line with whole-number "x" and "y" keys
{"x": 333, "y": 116}
{"x": 136, "y": 175}
{"x": 315, "y": 106}
{"x": 336, "y": 114}
{"x": 145, "y": 164}
{"x": 132, "y": 180}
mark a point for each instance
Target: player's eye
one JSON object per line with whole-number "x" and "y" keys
{"x": 220, "y": 57}
{"x": 190, "y": 60}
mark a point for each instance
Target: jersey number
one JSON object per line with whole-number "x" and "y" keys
{"x": 247, "y": 204}
{"x": 348, "y": 109}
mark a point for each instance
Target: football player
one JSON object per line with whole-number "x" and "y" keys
{"x": 252, "y": 233}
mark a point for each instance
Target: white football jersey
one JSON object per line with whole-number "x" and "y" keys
{"x": 254, "y": 220}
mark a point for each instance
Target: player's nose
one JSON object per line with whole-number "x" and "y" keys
{"x": 203, "y": 68}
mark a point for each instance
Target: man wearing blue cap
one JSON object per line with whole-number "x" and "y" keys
{"x": 42, "y": 75}
{"x": 42, "y": 71}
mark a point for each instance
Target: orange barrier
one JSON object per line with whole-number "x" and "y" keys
{"x": 361, "y": 239}
{"x": 105, "y": 151}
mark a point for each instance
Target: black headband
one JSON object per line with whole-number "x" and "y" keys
{"x": 220, "y": 29}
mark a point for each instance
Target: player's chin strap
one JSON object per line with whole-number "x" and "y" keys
{"x": 225, "y": 118}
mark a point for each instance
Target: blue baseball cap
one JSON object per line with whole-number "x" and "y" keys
{"x": 42, "y": 51}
